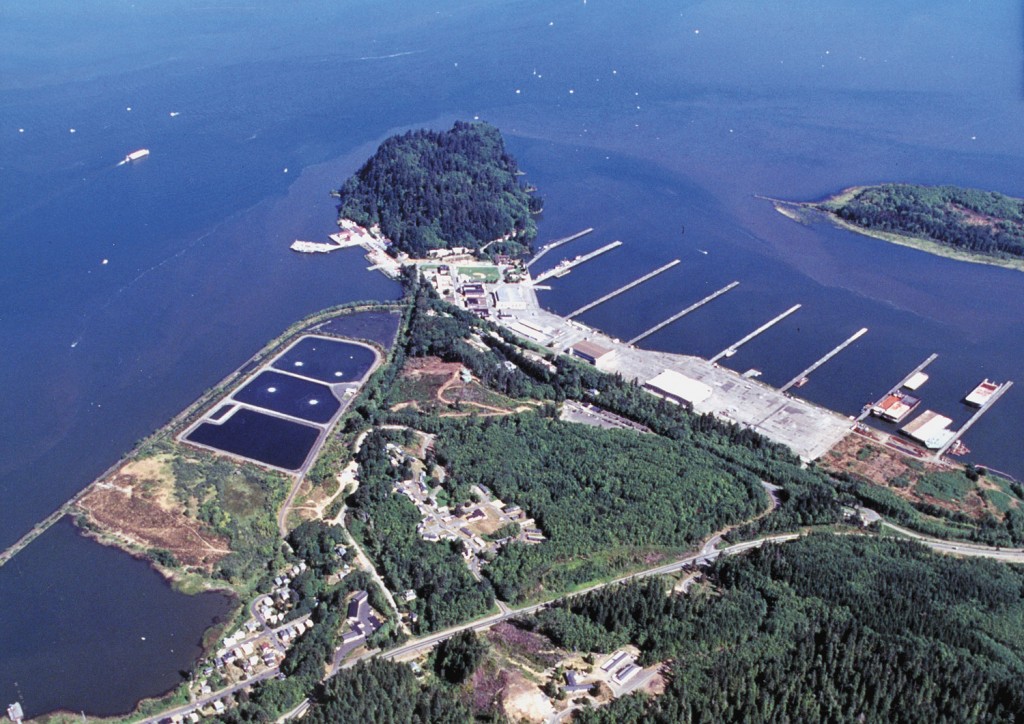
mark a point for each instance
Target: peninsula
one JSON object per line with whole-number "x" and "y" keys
{"x": 459, "y": 506}
{"x": 429, "y": 190}
{"x": 967, "y": 224}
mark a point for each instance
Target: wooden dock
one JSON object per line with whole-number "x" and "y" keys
{"x": 622, "y": 289}
{"x": 555, "y": 244}
{"x": 558, "y": 271}
{"x": 680, "y": 315}
{"x": 974, "y": 418}
{"x": 856, "y": 335}
{"x": 767, "y": 325}
{"x": 867, "y": 408}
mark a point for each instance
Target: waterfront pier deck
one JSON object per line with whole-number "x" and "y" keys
{"x": 856, "y": 335}
{"x": 622, "y": 289}
{"x": 680, "y": 315}
{"x": 767, "y": 325}
{"x": 867, "y": 408}
{"x": 974, "y": 418}
{"x": 555, "y": 244}
{"x": 558, "y": 271}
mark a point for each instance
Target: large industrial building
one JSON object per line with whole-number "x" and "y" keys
{"x": 589, "y": 351}
{"x": 930, "y": 428}
{"x": 678, "y": 388}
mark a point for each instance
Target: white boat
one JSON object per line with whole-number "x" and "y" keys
{"x": 136, "y": 155}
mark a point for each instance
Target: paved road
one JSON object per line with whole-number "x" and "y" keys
{"x": 1008, "y": 555}
{"x": 207, "y": 700}
{"x": 707, "y": 553}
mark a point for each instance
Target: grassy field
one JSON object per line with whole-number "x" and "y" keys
{"x": 952, "y": 487}
{"x": 486, "y": 274}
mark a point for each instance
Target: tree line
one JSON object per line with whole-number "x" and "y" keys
{"x": 982, "y": 222}
{"x": 438, "y": 189}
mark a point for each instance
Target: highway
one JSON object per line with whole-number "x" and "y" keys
{"x": 707, "y": 553}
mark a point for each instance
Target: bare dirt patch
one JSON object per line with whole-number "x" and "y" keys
{"x": 123, "y": 509}
{"x": 422, "y": 380}
{"x": 868, "y": 457}
{"x": 154, "y": 477}
{"x": 523, "y": 700}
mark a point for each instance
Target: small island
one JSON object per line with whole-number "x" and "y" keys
{"x": 429, "y": 190}
{"x": 967, "y": 224}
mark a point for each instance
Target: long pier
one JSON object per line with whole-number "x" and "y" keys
{"x": 856, "y": 335}
{"x": 680, "y": 315}
{"x": 771, "y": 323}
{"x": 42, "y": 526}
{"x": 557, "y": 243}
{"x": 557, "y": 271}
{"x": 867, "y": 408}
{"x": 622, "y": 289}
{"x": 974, "y": 418}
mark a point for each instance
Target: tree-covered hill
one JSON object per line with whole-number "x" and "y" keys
{"x": 980, "y": 222}
{"x": 828, "y": 628}
{"x": 439, "y": 189}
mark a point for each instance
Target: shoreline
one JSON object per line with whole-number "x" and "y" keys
{"x": 793, "y": 210}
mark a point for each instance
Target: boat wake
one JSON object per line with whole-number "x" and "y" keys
{"x": 87, "y": 318}
{"x": 392, "y": 55}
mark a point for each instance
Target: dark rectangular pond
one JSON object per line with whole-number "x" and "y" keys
{"x": 290, "y": 396}
{"x": 263, "y": 438}
{"x": 376, "y": 326}
{"x": 327, "y": 360}
{"x": 221, "y": 411}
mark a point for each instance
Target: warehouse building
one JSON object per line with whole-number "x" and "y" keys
{"x": 678, "y": 388}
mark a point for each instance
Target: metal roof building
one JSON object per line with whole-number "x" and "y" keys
{"x": 678, "y": 387}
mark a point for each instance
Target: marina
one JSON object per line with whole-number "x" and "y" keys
{"x": 680, "y": 315}
{"x": 623, "y": 289}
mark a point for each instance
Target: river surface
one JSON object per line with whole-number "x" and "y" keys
{"x": 126, "y": 291}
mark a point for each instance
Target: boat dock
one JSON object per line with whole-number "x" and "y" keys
{"x": 680, "y": 315}
{"x": 856, "y": 335}
{"x": 867, "y": 408}
{"x": 557, "y": 243}
{"x": 731, "y": 349}
{"x": 560, "y": 270}
{"x": 974, "y": 418}
{"x": 622, "y": 289}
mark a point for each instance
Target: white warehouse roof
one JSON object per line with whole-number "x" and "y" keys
{"x": 680, "y": 386}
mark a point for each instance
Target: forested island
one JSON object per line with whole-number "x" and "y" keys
{"x": 442, "y": 189}
{"x": 969, "y": 224}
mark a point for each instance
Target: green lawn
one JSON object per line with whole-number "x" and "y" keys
{"x": 486, "y": 274}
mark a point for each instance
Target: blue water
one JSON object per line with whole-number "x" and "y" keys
{"x": 257, "y": 436}
{"x": 326, "y": 360}
{"x": 637, "y": 119}
{"x": 379, "y": 327}
{"x": 289, "y": 395}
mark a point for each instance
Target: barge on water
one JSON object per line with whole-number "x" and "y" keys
{"x": 982, "y": 393}
{"x": 895, "y": 407}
